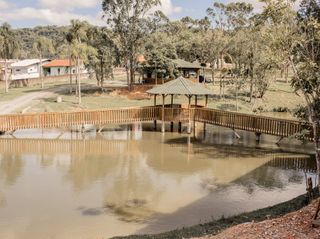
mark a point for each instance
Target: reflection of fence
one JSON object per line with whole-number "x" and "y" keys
{"x": 253, "y": 123}
{"x": 61, "y": 146}
{"x": 295, "y": 163}
{"x": 102, "y": 147}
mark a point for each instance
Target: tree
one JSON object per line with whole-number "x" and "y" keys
{"x": 43, "y": 46}
{"x": 229, "y": 19}
{"x": 300, "y": 43}
{"x": 102, "y": 63}
{"x": 80, "y": 52}
{"x": 305, "y": 61}
{"x": 9, "y": 48}
{"x": 126, "y": 19}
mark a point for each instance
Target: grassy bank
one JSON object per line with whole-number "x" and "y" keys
{"x": 279, "y": 95}
{"x": 215, "y": 227}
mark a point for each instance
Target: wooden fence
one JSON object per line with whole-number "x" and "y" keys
{"x": 253, "y": 123}
{"x": 233, "y": 120}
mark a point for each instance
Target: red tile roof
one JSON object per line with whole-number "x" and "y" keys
{"x": 59, "y": 63}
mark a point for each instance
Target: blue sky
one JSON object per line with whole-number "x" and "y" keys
{"x": 29, "y": 13}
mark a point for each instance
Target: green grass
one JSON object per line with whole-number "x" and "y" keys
{"x": 280, "y": 94}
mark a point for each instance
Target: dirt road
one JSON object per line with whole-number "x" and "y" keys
{"x": 22, "y": 101}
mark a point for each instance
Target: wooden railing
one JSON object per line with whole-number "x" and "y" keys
{"x": 253, "y": 123}
{"x": 67, "y": 119}
{"x": 240, "y": 121}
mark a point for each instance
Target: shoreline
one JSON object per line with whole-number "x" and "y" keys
{"x": 217, "y": 226}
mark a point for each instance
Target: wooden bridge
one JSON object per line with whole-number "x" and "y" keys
{"x": 103, "y": 117}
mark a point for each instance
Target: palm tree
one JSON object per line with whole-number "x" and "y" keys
{"x": 69, "y": 39}
{"x": 79, "y": 50}
{"x": 9, "y": 48}
{"x": 76, "y": 35}
{"x": 42, "y": 44}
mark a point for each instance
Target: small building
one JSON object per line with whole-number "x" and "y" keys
{"x": 190, "y": 70}
{"x": 27, "y": 69}
{"x": 59, "y": 67}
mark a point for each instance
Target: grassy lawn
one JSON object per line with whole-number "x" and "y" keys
{"x": 279, "y": 94}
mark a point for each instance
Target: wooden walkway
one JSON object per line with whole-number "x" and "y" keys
{"x": 233, "y": 120}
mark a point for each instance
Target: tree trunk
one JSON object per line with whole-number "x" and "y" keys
{"x": 131, "y": 75}
{"x": 251, "y": 76}
{"x": 156, "y": 77}
{"x": 315, "y": 127}
{"x": 40, "y": 71}
{"x": 212, "y": 73}
{"x": 102, "y": 75}
{"x": 5, "y": 76}
{"x": 79, "y": 82}
{"x": 70, "y": 70}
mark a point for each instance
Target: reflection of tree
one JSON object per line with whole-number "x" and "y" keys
{"x": 87, "y": 168}
{"x": 11, "y": 167}
{"x": 2, "y": 199}
{"x": 268, "y": 178}
{"x": 133, "y": 189}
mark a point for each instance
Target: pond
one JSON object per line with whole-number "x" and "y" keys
{"x": 129, "y": 181}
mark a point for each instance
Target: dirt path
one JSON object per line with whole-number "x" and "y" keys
{"x": 22, "y": 101}
{"x": 295, "y": 225}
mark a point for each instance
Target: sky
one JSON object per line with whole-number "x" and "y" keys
{"x": 30, "y": 13}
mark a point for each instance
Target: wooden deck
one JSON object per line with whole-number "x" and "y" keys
{"x": 233, "y": 120}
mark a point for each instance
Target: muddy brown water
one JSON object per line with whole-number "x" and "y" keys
{"x": 69, "y": 185}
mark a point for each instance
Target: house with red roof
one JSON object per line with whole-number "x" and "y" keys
{"x": 60, "y": 67}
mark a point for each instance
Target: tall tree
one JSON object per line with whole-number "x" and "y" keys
{"x": 127, "y": 19}
{"x": 300, "y": 43}
{"x": 305, "y": 60}
{"x": 9, "y": 48}
{"x": 102, "y": 63}
{"x": 42, "y": 47}
{"x": 80, "y": 51}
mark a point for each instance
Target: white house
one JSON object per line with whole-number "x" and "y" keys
{"x": 59, "y": 67}
{"x": 27, "y": 69}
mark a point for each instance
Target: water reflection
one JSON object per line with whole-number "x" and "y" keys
{"x": 11, "y": 167}
{"x": 123, "y": 182}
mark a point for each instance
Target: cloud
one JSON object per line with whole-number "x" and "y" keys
{"x": 47, "y": 16}
{"x": 258, "y": 6}
{"x": 168, "y": 8}
{"x": 68, "y": 4}
{"x": 60, "y": 12}
{"x": 4, "y": 4}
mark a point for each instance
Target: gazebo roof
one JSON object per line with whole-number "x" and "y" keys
{"x": 187, "y": 65}
{"x": 180, "y": 86}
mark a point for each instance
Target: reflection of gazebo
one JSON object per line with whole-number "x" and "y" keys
{"x": 180, "y": 86}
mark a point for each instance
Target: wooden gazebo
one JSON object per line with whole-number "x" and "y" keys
{"x": 180, "y": 86}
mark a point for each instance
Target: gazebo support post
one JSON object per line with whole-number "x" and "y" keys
{"x": 180, "y": 127}
{"x": 189, "y": 114}
{"x": 171, "y": 123}
{"x": 163, "y": 129}
{"x": 194, "y": 120}
{"x": 155, "y": 121}
{"x": 205, "y": 124}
